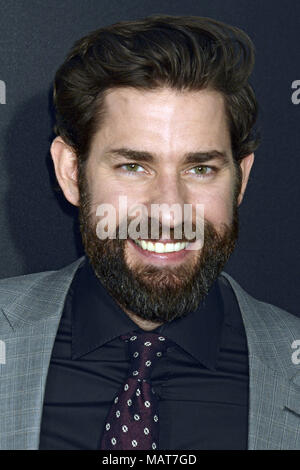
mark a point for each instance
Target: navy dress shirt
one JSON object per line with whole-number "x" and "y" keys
{"x": 201, "y": 382}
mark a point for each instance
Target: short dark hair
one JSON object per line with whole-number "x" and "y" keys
{"x": 181, "y": 52}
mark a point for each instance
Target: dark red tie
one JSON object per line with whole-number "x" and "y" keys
{"x": 133, "y": 421}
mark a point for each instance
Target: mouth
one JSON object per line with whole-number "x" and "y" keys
{"x": 162, "y": 252}
{"x": 163, "y": 246}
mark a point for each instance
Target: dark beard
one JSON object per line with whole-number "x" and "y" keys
{"x": 153, "y": 293}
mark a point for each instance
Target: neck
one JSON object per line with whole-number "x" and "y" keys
{"x": 141, "y": 322}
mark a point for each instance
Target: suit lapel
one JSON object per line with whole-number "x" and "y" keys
{"x": 29, "y": 334}
{"x": 274, "y": 381}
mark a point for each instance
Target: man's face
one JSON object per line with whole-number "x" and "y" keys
{"x": 162, "y": 127}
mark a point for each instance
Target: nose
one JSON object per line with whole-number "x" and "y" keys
{"x": 167, "y": 199}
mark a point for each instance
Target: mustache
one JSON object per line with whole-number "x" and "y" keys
{"x": 153, "y": 229}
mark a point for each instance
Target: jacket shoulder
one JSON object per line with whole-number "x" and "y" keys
{"x": 16, "y": 285}
{"x": 271, "y": 331}
{"x": 267, "y": 311}
{"x": 36, "y": 292}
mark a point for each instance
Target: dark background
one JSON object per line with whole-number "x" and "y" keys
{"x": 38, "y": 227}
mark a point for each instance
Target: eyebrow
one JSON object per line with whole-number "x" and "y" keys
{"x": 189, "y": 157}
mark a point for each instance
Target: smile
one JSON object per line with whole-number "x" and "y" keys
{"x": 159, "y": 247}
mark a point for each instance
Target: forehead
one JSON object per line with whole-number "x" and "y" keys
{"x": 166, "y": 119}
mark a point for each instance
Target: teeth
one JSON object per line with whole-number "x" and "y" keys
{"x": 161, "y": 247}
{"x": 143, "y": 244}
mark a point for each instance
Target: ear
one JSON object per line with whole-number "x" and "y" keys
{"x": 246, "y": 165}
{"x": 65, "y": 165}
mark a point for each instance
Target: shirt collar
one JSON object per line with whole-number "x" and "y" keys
{"x": 97, "y": 319}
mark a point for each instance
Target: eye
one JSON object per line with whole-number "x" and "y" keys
{"x": 199, "y": 171}
{"x": 131, "y": 167}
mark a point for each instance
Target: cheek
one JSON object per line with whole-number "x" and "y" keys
{"x": 114, "y": 195}
{"x": 217, "y": 206}
{"x": 103, "y": 188}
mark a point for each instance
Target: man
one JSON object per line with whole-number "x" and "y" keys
{"x": 156, "y": 111}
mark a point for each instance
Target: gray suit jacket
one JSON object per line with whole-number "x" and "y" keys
{"x": 30, "y": 311}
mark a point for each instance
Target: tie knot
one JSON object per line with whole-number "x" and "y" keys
{"x": 144, "y": 350}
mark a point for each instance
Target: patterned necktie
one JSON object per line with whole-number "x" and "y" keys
{"x": 132, "y": 422}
